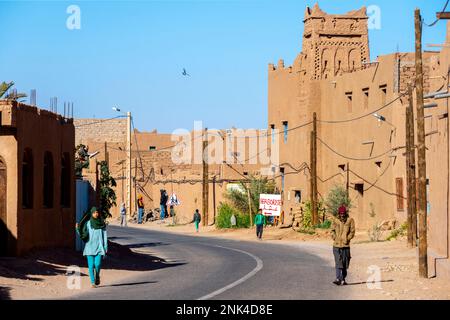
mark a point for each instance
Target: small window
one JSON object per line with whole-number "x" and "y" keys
{"x": 282, "y": 179}
{"x": 399, "y": 192}
{"x": 366, "y": 98}
{"x": 349, "y": 96}
{"x": 383, "y": 92}
{"x": 297, "y": 196}
{"x": 360, "y": 188}
{"x": 285, "y": 130}
{"x": 272, "y": 127}
{"x": 151, "y": 148}
{"x": 245, "y": 173}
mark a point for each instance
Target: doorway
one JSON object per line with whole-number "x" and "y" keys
{"x": 3, "y": 221}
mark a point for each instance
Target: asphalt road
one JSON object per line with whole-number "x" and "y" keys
{"x": 213, "y": 268}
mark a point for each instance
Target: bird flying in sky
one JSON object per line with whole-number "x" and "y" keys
{"x": 185, "y": 73}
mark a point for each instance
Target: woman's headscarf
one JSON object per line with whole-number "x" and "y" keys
{"x": 98, "y": 223}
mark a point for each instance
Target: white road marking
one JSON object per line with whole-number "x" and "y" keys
{"x": 259, "y": 266}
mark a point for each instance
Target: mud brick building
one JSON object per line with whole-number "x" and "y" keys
{"x": 37, "y": 184}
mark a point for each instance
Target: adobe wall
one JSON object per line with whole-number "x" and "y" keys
{"x": 8, "y": 151}
{"x": 39, "y": 226}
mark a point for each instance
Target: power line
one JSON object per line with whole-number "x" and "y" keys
{"x": 351, "y": 158}
{"x": 100, "y": 121}
{"x": 436, "y": 21}
{"x": 367, "y": 114}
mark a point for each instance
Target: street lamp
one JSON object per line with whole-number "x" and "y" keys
{"x": 128, "y": 151}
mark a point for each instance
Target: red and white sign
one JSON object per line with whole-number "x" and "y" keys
{"x": 270, "y": 204}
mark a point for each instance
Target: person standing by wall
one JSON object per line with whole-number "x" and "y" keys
{"x": 260, "y": 222}
{"x": 196, "y": 220}
{"x": 93, "y": 232}
{"x": 162, "y": 205}
{"x": 342, "y": 232}
{"x": 123, "y": 215}
{"x": 140, "y": 208}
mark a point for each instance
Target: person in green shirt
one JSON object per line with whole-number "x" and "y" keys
{"x": 260, "y": 222}
{"x": 196, "y": 220}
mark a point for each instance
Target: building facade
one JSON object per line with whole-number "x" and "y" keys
{"x": 36, "y": 179}
{"x": 360, "y": 107}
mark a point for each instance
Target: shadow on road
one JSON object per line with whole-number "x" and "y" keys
{"x": 365, "y": 282}
{"x": 129, "y": 284}
{"x": 4, "y": 293}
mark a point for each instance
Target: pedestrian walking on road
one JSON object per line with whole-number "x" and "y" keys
{"x": 93, "y": 232}
{"x": 123, "y": 215}
{"x": 140, "y": 208}
{"x": 342, "y": 232}
{"x": 260, "y": 222}
{"x": 196, "y": 220}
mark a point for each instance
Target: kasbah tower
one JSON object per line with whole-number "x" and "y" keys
{"x": 334, "y": 77}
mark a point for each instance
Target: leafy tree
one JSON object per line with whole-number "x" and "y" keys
{"x": 224, "y": 217}
{"x": 307, "y": 214}
{"x": 256, "y": 186}
{"x": 107, "y": 194}
{"x": 337, "y": 197}
{"x": 6, "y": 93}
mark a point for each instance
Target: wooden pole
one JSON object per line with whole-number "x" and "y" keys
{"x": 205, "y": 179}
{"x": 106, "y": 154}
{"x": 411, "y": 172}
{"x": 249, "y": 206}
{"x": 347, "y": 187}
{"x": 422, "y": 171}
{"x": 214, "y": 199}
{"x": 315, "y": 216}
{"x": 135, "y": 182}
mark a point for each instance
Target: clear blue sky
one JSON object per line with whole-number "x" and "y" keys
{"x": 131, "y": 54}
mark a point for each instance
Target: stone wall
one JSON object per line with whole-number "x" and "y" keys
{"x": 100, "y": 130}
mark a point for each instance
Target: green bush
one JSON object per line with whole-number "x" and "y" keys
{"x": 325, "y": 225}
{"x": 307, "y": 214}
{"x": 224, "y": 217}
{"x": 337, "y": 197}
{"x": 401, "y": 231}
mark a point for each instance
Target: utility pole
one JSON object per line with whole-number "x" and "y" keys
{"x": 214, "y": 198}
{"x": 411, "y": 172}
{"x": 422, "y": 169}
{"x": 135, "y": 185}
{"x": 347, "y": 186}
{"x": 313, "y": 155}
{"x": 106, "y": 154}
{"x": 128, "y": 163}
{"x": 249, "y": 206}
{"x": 205, "y": 178}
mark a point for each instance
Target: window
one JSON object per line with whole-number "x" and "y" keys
{"x": 383, "y": 90}
{"x": 151, "y": 148}
{"x": 48, "y": 180}
{"x": 282, "y": 179}
{"x": 245, "y": 173}
{"x": 349, "y": 96}
{"x": 360, "y": 188}
{"x": 272, "y": 127}
{"x": 399, "y": 192}
{"x": 285, "y": 130}
{"x": 65, "y": 180}
{"x": 297, "y": 196}
{"x": 366, "y": 98}
{"x": 27, "y": 179}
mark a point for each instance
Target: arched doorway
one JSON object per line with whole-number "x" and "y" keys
{"x": 3, "y": 222}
